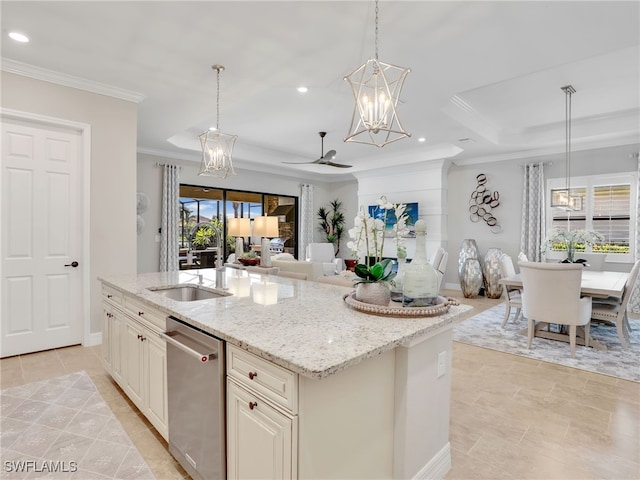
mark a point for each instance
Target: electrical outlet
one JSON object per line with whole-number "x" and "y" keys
{"x": 442, "y": 363}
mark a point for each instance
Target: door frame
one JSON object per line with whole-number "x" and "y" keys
{"x": 84, "y": 130}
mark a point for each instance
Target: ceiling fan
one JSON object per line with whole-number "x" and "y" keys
{"x": 324, "y": 159}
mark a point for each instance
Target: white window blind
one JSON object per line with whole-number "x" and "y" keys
{"x": 606, "y": 205}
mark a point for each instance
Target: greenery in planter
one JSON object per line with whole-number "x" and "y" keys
{"x": 332, "y": 222}
{"x": 379, "y": 272}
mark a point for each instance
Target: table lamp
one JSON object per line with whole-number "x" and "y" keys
{"x": 239, "y": 228}
{"x": 265, "y": 227}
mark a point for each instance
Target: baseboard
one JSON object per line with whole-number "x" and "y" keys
{"x": 453, "y": 286}
{"x": 437, "y": 467}
{"x": 93, "y": 339}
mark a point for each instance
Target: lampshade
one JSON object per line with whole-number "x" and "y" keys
{"x": 239, "y": 227}
{"x": 265, "y": 227}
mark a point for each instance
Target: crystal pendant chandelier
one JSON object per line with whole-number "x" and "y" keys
{"x": 566, "y": 198}
{"x": 217, "y": 147}
{"x": 376, "y": 88}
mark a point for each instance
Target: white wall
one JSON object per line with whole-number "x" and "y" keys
{"x": 506, "y": 177}
{"x": 424, "y": 183}
{"x": 150, "y": 183}
{"x": 113, "y": 169}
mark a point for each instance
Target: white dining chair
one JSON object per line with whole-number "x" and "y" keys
{"x": 551, "y": 294}
{"x": 513, "y": 295}
{"x": 616, "y": 312}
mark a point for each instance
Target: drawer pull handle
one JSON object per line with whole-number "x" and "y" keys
{"x": 140, "y": 314}
{"x": 109, "y": 295}
{"x": 139, "y": 336}
{"x": 253, "y": 375}
{"x": 253, "y": 405}
{"x": 109, "y": 315}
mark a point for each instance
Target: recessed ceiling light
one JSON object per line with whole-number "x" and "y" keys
{"x": 422, "y": 139}
{"x": 302, "y": 89}
{"x": 18, "y": 37}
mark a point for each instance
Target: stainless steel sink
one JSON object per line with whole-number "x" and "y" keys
{"x": 189, "y": 293}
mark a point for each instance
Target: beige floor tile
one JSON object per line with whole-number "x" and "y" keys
{"x": 11, "y": 377}
{"x": 35, "y": 373}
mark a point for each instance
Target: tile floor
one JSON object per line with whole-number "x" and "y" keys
{"x": 511, "y": 417}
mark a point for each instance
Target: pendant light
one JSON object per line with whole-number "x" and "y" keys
{"x": 217, "y": 147}
{"x": 566, "y": 199}
{"x": 376, "y": 88}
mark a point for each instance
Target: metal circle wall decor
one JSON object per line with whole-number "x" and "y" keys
{"x": 482, "y": 203}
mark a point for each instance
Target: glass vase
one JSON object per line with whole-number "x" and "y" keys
{"x": 420, "y": 280}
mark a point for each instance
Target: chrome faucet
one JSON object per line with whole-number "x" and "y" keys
{"x": 219, "y": 251}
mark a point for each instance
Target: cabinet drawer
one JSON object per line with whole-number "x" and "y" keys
{"x": 111, "y": 294}
{"x": 271, "y": 381}
{"x": 143, "y": 312}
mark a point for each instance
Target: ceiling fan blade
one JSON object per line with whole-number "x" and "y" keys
{"x": 330, "y": 155}
{"x": 339, "y": 165}
{"x": 304, "y": 163}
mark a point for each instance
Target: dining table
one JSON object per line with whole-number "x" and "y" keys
{"x": 595, "y": 284}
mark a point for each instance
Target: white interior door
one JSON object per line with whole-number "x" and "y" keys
{"x": 41, "y": 297}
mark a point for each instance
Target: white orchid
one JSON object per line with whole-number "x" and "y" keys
{"x": 367, "y": 235}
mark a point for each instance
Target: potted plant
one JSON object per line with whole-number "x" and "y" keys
{"x": 249, "y": 259}
{"x": 332, "y": 223}
{"x": 367, "y": 244}
{"x": 371, "y": 284}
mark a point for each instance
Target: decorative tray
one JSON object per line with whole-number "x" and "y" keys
{"x": 396, "y": 310}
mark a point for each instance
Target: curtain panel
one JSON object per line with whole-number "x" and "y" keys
{"x": 634, "y": 301}
{"x": 306, "y": 219}
{"x": 533, "y": 230}
{"x": 170, "y": 218}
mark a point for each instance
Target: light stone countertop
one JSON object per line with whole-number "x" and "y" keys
{"x": 309, "y": 329}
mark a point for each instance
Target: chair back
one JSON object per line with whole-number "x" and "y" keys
{"x": 321, "y": 252}
{"x": 507, "y": 270}
{"x": 628, "y": 287}
{"x": 437, "y": 258}
{"x": 551, "y": 292}
{"x": 522, "y": 257}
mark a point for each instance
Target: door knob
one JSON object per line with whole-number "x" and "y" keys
{"x": 73, "y": 264}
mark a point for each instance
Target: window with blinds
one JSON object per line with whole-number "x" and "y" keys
{"x": 606, "y": 204}
{"x": 611, "y": 217}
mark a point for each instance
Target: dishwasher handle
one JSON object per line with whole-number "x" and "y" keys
{"x": 201, "y": 357}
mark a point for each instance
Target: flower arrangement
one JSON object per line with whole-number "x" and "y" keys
{"x": 368, "y": 233}
{"x": 571, "y": 241}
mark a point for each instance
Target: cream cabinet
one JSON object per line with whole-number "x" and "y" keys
{"x": 262, "y": 419}
{"x": 135, "y": 355}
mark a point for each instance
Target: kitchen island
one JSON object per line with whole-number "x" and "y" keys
{"x": 370, "y": 394}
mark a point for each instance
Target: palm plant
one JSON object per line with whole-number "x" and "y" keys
{"x": 332, "y": 222}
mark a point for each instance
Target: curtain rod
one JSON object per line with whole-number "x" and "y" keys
{"x": 536, "y": 163}
{"x": 158, "y": 164}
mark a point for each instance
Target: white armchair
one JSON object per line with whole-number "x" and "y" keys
{"x": 324, "y": 253}
{"x": 551, "y": 294}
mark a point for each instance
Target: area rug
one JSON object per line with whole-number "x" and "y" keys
{"x": 484, "y": 330}
{"x": 62, "y": 428}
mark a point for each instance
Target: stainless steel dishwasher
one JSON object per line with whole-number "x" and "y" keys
{"x": 196, "y": 384}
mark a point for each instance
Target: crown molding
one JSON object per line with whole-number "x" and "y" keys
{"x": 38, "y": 73}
